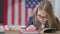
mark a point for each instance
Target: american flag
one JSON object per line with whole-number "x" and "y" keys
{"x": 17, "y": 12}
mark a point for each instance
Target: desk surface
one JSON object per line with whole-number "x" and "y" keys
{"x": 57, "y": 32}
{"x": 17, "y": 31}
{"x": 12, "y": 31}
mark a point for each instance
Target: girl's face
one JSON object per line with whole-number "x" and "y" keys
{"x": 42, "y": 16}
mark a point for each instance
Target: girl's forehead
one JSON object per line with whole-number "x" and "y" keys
{"x": 42, "y": 12}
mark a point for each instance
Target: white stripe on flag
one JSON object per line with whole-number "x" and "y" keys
{"x": 16, "y": 12}
{"x": 16, "y": 7}
{"x": 23, "y": 13}
{"x": 29, "y": 12}
{"x": 9, "y": 15}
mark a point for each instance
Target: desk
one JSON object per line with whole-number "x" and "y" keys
{"x": 57, "y": 32}
{"x": 18, "y": 32}
{"x": 37, "y": 32}
{"x": 12, "y": 32}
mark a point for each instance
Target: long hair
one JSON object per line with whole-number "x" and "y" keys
{"x": 46, "y": 5}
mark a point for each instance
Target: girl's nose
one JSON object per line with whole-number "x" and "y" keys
{"x": 41, "y": 20}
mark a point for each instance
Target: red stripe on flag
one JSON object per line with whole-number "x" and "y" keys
{"x": 5, "y": 11}
{"x": 19, "y": 17}
{"x": 12, "y": 12}
{"x": 26, "y": 16}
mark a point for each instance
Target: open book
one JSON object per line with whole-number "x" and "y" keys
{"x": 49, "y": 30}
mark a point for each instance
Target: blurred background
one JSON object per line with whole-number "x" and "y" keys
{"x": 17, "y": 12}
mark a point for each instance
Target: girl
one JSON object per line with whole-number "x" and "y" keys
{"x": 43, "y": 17}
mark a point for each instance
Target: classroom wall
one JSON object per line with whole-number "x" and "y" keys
{"x": 57, "y": 8}
{"x": 1, "y": 11}
{"x": 56, "y": 5}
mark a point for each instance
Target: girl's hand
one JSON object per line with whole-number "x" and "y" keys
{"x": 31, "y": 27}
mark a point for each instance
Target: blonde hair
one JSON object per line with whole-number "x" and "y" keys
{"x": 46, "y": 5}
